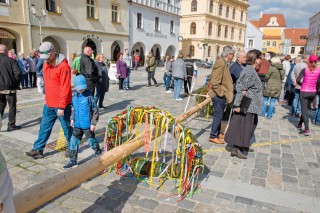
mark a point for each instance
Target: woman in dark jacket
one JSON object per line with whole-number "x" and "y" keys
{"x": 121, "y": 71}
{"x": 274, "y": 78}
{"x": 242, "y": 125}
{"x": 103, "y": 82}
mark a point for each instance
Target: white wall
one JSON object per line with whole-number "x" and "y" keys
{"x": 253, "y": 33}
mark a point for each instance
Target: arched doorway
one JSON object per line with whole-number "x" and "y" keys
{"x": 54, "y": 42}
{"x": 115, "y": 49}
{"x": 90, "y": 43}
{"x": 139, "y": 48}
{"x": 171, "y": 51}
{"x": 156, "y": 50}
{"x": 8, "y": 39}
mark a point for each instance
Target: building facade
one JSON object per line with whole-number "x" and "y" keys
{"x": 209, "y": 25}
{"x": 253, "y": 37}
{"x": 71, "y": 25}
{"x": 14, "y": 25}
{"x": 272, "y": 26}
{"x": 154, "y": 26}
{"x": 313, "y": 42}
{"x": 293, "y": 42}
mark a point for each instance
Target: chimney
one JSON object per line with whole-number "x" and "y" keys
{"x": 261, "y": 13}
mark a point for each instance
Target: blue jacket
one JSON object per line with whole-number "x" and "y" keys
{"x": 235, "y": 71}
{"x": 85, "y": 111}
{"x": 39, "y": 67}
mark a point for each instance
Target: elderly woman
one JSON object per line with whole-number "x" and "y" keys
{"x": 244, "y": 121}
{"x": 274, "y": 78}
{"x": 103, "y": 83}
{"x": 121, "y": 71}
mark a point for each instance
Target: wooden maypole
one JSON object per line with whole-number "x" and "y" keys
{"x": 37, "y": 195}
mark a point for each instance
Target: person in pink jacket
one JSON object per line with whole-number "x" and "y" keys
{"x": 309, "y": 77}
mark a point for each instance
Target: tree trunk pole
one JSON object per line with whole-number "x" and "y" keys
{"x": 37, "y": 195}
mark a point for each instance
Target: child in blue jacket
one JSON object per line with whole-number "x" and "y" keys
{"x": 84, "y": 118}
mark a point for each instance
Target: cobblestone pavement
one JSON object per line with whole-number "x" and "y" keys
{"x": 281, "y": 175}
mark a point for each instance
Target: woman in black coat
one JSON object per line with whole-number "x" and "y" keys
{"x": 103, "y": 82}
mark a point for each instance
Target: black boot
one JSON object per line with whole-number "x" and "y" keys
{"x": 235, "y": 152}
{"x": 73, "y": 154}
{"x": 97, "y": 150}
{"x": 13, "y": 127}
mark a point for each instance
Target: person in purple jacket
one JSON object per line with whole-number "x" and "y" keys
{"x": 121, "y": 71}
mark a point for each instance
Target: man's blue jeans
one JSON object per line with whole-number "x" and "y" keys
{"x": 167, "y": 82}
{"x": 271, "y": 106}
{"x": 296, "y": 105}
{"x": 126, "y": 81}
{"x": 218, "y": 105}
{"x": 49, "y": 117}
{"x": 177, "y": 87}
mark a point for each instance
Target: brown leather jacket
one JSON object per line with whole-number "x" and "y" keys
{"x": 221, "y": 82}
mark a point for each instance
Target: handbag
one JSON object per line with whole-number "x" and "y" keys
{"x": 147, "y": 69}
{"x": 244, "y": 104}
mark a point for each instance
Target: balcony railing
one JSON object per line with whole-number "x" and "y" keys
{"x": 160, "y": 5}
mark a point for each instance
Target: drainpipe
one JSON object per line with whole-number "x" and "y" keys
{"x": 30, "y": 30}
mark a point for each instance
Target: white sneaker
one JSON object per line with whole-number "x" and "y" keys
{"x": 122, "y": 91}
{"x": 179, "y": 99}
{"x": 168, "y": 91}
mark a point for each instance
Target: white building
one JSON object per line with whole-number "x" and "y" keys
{"x": 154, "y": 26}
{"x": 253, "y": 37}
{"x": 71, "y": 25}
{"x": 313, "y": 43}
{"x": 293, "y": 41}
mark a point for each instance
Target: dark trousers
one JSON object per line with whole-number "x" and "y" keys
{"x": 218, "y": 105}
{"x": 306, "y": 98}
{"x": 24, "y": 80}
{"x": 151, "y": 76}
{"x": 121, "y": 83}
{"x": 12, "y": 102}
{"x": 99, "y": 97}
{"x": 186, "y": 83}
{"x": 33, "y": 79}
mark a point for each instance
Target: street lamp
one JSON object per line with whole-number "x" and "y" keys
{"x": 39, "y": 16}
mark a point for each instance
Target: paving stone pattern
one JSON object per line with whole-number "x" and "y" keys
{"x": 282, "y": 159}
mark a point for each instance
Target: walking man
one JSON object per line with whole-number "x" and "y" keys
{"x": 10, "y": 76}
{"x": 221, "y": 91}
{"x": 57, "y": 78}
{"x": 89, "y": 69}
{"x": 151, "y": 66}
{"x": 128, "y": 59}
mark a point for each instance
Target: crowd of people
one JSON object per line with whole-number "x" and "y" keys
{"x": 252, "y": 85}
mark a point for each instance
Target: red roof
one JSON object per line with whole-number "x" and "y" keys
{"x": 295, "y": 36}
{"x": 267, "y": 21}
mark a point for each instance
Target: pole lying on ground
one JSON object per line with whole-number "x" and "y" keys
{"x": 37, "y": 195}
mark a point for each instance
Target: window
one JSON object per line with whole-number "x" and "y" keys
{"x": 218, "y": 50}
{"x": 293, "y": 49}
{"x": 268, "y": 43}
{"x": 193, "y": 28}
{"x": 194, "y": 6}
{"x": 250, "y": 43}
{"x": 274, "y": 43}
{"x": 191, "y": 51}
{"x": 51, "y": 5}
{"x": 241, "y": 16}
{"x": 115, "y": 13}
{"x": 211, "y": 6}
{"x": 227, "y": 12}
{"x": 264, "y": 49}
{"x": 304, "y": 37}
{"x": 220, "y": 9}
{"x": 91, "y": 9}
{"x": 209, "y": 51}
{"x": 219, "y": 30}
{"x": 234, "y": 14}
{"x": 240, "y": 34}
{"x": 210, "y": 29}
{"x": 232, "y": 33}
{"x": 171, "y": 27}
{"x": 226, "y": 31}
{"x": 301, "y": 50}
{"x": 139, "y": 20}
{"x": 4, "y": 1}
{"x": 156, "y": 24}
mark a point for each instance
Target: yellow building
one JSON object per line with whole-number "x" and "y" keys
{"x": 206, "y": 26}
{"x": 272, "y": 26}
{"x": 14, "y": 25}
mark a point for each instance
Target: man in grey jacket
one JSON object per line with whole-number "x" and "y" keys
{"x": 296, "y": 106}
{"x": 128, "y": 59}
{"x": 179, "y": 74}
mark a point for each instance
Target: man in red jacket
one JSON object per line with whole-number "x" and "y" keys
{"x": 57, "y": 80}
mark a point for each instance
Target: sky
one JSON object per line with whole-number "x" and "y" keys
{"x": 296, "y": 12}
